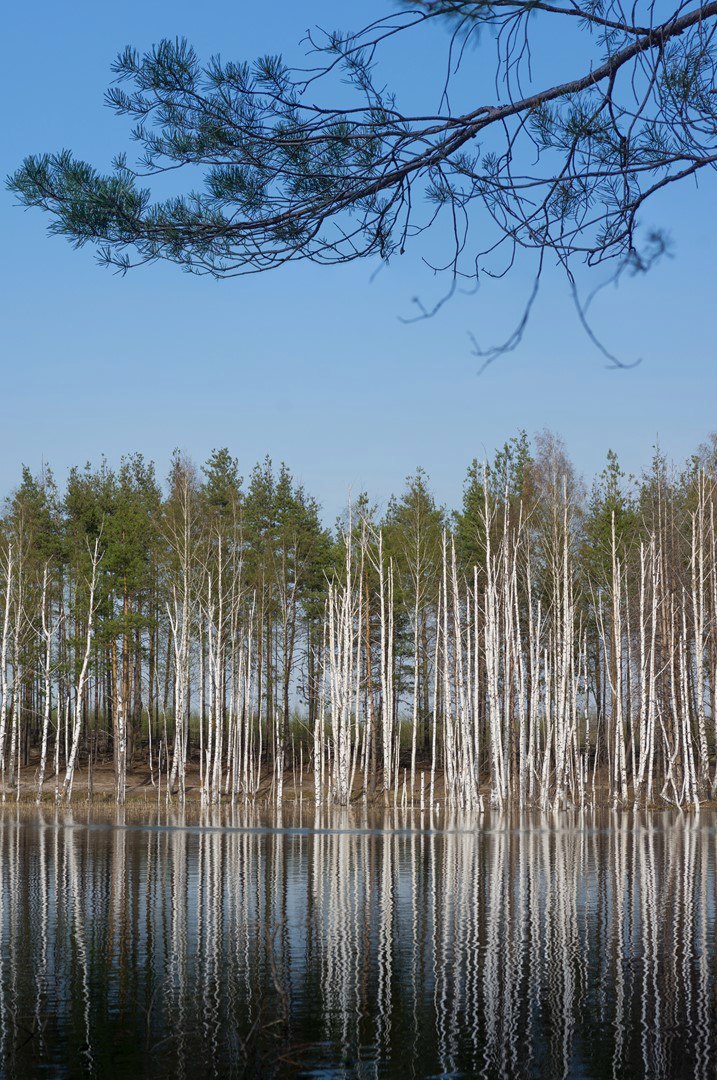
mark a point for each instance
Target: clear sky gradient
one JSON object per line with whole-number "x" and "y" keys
{"x": 311, "y": 366}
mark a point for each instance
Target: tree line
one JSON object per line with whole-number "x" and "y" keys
{"x": 545, "y": 644}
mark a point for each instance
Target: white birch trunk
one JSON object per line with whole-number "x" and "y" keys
{"x": 82, "y": 680}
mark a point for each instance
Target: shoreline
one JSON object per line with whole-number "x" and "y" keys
{"x": 145, "y": 790}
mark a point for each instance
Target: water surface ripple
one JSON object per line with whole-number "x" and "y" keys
{"x": 328, "y": 946}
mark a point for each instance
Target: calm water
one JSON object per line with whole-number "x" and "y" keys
{"x": 549, "y": 947}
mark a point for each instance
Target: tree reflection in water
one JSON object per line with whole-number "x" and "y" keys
{"x": 559, "y": 946}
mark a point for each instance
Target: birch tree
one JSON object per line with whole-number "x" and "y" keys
{"x": 81, "y": 686}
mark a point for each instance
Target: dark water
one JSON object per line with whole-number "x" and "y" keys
{"x": 552, "y": 947}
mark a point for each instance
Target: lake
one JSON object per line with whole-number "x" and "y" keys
{"x": 332, "y": 945}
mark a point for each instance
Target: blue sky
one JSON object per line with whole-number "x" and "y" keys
{"x": 310, "y": 365}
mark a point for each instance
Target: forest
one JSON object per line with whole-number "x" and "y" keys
{"x": 549, "y": 643}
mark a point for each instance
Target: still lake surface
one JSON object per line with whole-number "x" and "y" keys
{"x": 334, "y": 945}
